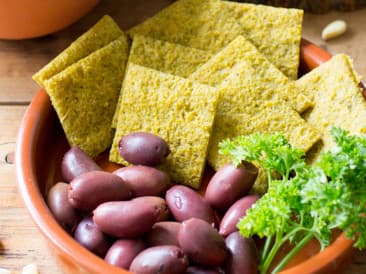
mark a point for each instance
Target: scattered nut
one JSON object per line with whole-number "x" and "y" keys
{"x": 30, "y": 269}
{"x": 5, "y": 271}
{"x": 334, "y": 29}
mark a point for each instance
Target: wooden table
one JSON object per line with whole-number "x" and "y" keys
{"x": 20, "y": 241}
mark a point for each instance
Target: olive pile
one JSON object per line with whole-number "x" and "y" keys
{"x": 136, "y": 219}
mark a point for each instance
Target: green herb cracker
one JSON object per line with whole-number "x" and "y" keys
{"x": 338, "y": 101}
{"x": 102, "y": 33}
{"x": 276, "y": 32}
{"x": 256, "y": 73}
{"x": 166, "y": 57}
{"x": 85, "y": 94}
{"x": 174, "y": 108}
{"x": 212, "y": 24}
{"x": 270, "y": 117}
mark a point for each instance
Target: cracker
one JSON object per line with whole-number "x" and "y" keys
{"x": 338, "y": 101}
{"x": 166, "y": 57}
{"x": 99, "y": 35}
{"x": 240, "y": 64}
{"x": 212, "y": 24}
{"x": 84, "y": 96}
{"x": 270, "y": 117}
{"x": 177, "y": 109}
{"x": 276, "y": 32}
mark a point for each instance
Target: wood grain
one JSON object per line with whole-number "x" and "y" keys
{"x": 20, "y": 240}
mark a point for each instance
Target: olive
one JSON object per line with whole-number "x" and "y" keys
{"x": 143, "y": 148}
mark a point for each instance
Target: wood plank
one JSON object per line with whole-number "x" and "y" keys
{"x": 20, "y": 241}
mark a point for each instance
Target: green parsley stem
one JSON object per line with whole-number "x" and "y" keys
{"x": 293, "y": 252}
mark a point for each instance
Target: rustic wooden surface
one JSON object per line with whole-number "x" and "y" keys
{"x": 20, "y": 241}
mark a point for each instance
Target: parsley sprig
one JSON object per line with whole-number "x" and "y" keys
{"x": 308, "y": 201}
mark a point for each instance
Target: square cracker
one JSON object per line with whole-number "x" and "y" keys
{"x": 99, "y": 35}
{"x": 338, "y": 101}
{"x": 212, "y": 24}
{"x": 84, "y": 96}
{"x": 240, "y": 64}
{"x": 179, "y": 110}
{"x": 269, "y": 117}
{"x": 164, "y": 56}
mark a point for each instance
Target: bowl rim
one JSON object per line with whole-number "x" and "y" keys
{"x": 33, "y": 200}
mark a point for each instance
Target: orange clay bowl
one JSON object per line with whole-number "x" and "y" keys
{"x": 21, "y": 19}
{"x": 41, "y": 145}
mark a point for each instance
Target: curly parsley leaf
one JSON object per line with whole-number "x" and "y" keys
{"x": 309, "y": 201}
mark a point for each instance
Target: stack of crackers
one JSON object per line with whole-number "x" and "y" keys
{"x": 196, "y": 73}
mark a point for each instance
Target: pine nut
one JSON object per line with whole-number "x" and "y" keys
{"x": 334, "y": 29}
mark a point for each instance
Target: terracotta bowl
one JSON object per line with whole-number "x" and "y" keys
{"x": 41, "y": 144}
{"x": 21, "y": 19}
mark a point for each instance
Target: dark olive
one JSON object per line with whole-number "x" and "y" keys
{"x": 132, "y": 218}
{"x": 65, "y": 214}
{"x": 76, "y": 162}
{"x": 185, "y": 203}
{"x": 143, "y": 148}
{"x": 229, "y": 184}
{"x": 123, "y": 251}
{"x": 243, "y": 255}
{"x": 89, "y": 236}
{"x": 164, "y": 259}
{"x": 90, "y": 189}
{"x": 202, "y": 243}
{"x": 144, "y": 180}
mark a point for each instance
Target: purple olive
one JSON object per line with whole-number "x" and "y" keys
{"x": 132, "y": 218}
{"x": 163, "y": 233}
{"x": 89, "y": 236}
{"x": 76, "y": 162}
{"x": 202, "y": 243}
{"x": 90, "y": 189}
{"x": 65, "y": 214}
{"x": 164, "y": 259}
{"x": 234, "y": 213}
{"x": 229, "y": 184}
{"x": 243, "y": 255}
{"x": 185, "y": 203}
{"x": 144, "y": 180}
{"x": 143, "y": 148}
{"x": 123, "y": 251}
{"x": 202, "y": 270}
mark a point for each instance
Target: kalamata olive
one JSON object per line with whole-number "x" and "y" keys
{"x": 65, "y": 214}
{"x": 123, "y": 251}
{"x": 202, "y": 243}
{"x": 163, "y": 233}
{"x": 235, "y": 213}
{"x": 202, "y": 270}
{"x": 144, "y": 180}
{"x": 185, "y": 203}
{"x": 90, "y": 189}
{"x": 243, "y": 255}
{"x": 89, "y": 236}
{"x": 164, "y": 259}
{"x": 76, "y": 162}
{"x": 143, "y": 148}
{"x": 229, "y": 184}
{"x": 130, "y": 218}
